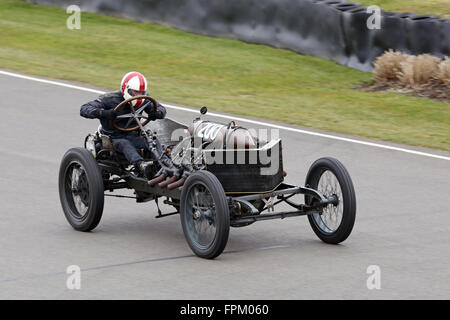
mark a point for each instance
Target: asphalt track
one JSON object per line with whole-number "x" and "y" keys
{"x": 402, "y": 225}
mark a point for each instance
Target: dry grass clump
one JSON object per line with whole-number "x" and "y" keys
{"x": 444, "y": 72}
{"x": 409, "y": 71}
{"x": 423, "y": 75}
{"x": 417, "y": 71}
{"x": 388, "y": 66}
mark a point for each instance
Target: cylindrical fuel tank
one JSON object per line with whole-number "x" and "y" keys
{"x": 221, "y": 135}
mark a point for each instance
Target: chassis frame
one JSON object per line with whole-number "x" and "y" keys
{"x": 282, "y": 193}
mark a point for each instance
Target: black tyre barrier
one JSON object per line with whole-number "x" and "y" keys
{"x": 346, "y": 6}
{"x": 358, "y": 38}
{"x": 305, "y": 35}
{"x": 445, "y": 36}
{"x": 424, "y": 34}
{"x": 393, "y": 25}
{"x": 332, "y": 29}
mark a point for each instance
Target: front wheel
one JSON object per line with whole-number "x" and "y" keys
{"x": 329, "y": 177}
{"x": 81, "y": 189}
{"x": 204, "y": 214}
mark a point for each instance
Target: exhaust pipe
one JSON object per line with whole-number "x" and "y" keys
{"x": 167, "y": 182}
{"x": 176, "y": 184}
{"x": 156, "y": 180}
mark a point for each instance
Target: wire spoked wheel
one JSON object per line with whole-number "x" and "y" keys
{"x": 331, "y": 217}
{"x": 203, "y": 222}
{"x": 330, "y": 178}
{"x": 77, "y": 186}
{"x": 204, "y": 214}
{"x": 81, "y": 189}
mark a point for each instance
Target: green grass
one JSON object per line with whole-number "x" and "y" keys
{"x": 437, "y": 7}
{"x": 226, "y": 75}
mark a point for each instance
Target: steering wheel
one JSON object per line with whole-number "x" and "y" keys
{"x": 135, "y": 114}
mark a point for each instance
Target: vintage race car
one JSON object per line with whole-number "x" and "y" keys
{"x": 215, "y": 175}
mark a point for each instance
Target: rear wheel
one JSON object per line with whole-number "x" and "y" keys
{"x": 205, "y": 214}
{"x": 81, "y": 189}
{"x": 329, "y": 177}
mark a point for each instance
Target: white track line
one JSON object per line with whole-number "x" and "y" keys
{"x": 376, "y": 145}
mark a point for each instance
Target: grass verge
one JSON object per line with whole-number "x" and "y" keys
{"x": 226, "y": 75}
{"x": 438, "y": 7}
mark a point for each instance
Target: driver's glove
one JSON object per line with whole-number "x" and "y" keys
{"x": 107, "y": 114}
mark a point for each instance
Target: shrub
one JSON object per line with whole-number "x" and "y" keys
{"x": 388, "y": 66}
{"x": 420, "y": 70}
{"x": 444, "y": 72}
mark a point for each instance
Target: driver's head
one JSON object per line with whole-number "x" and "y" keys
{"x": 133, "y": 84}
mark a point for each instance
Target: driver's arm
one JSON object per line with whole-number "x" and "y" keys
{"x": 97, "y": 109}
{"x": 159, "y": 114}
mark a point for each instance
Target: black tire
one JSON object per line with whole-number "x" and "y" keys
{"x": 211, "y": 195}
{"x": 89, "y": 193}
{"x": 347, "y": 200}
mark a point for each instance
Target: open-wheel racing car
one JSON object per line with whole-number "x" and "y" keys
{"x": 215, "y": 176}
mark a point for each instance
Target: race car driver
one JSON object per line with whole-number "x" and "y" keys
{"x": 132, "y": 84}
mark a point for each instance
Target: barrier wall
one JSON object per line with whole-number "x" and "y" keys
{"x": 331, "y": 29}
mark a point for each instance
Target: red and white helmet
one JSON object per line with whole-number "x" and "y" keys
{"x": 133, "y": 84}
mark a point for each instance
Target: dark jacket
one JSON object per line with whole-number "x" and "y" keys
{"x": 107, "y": 101}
